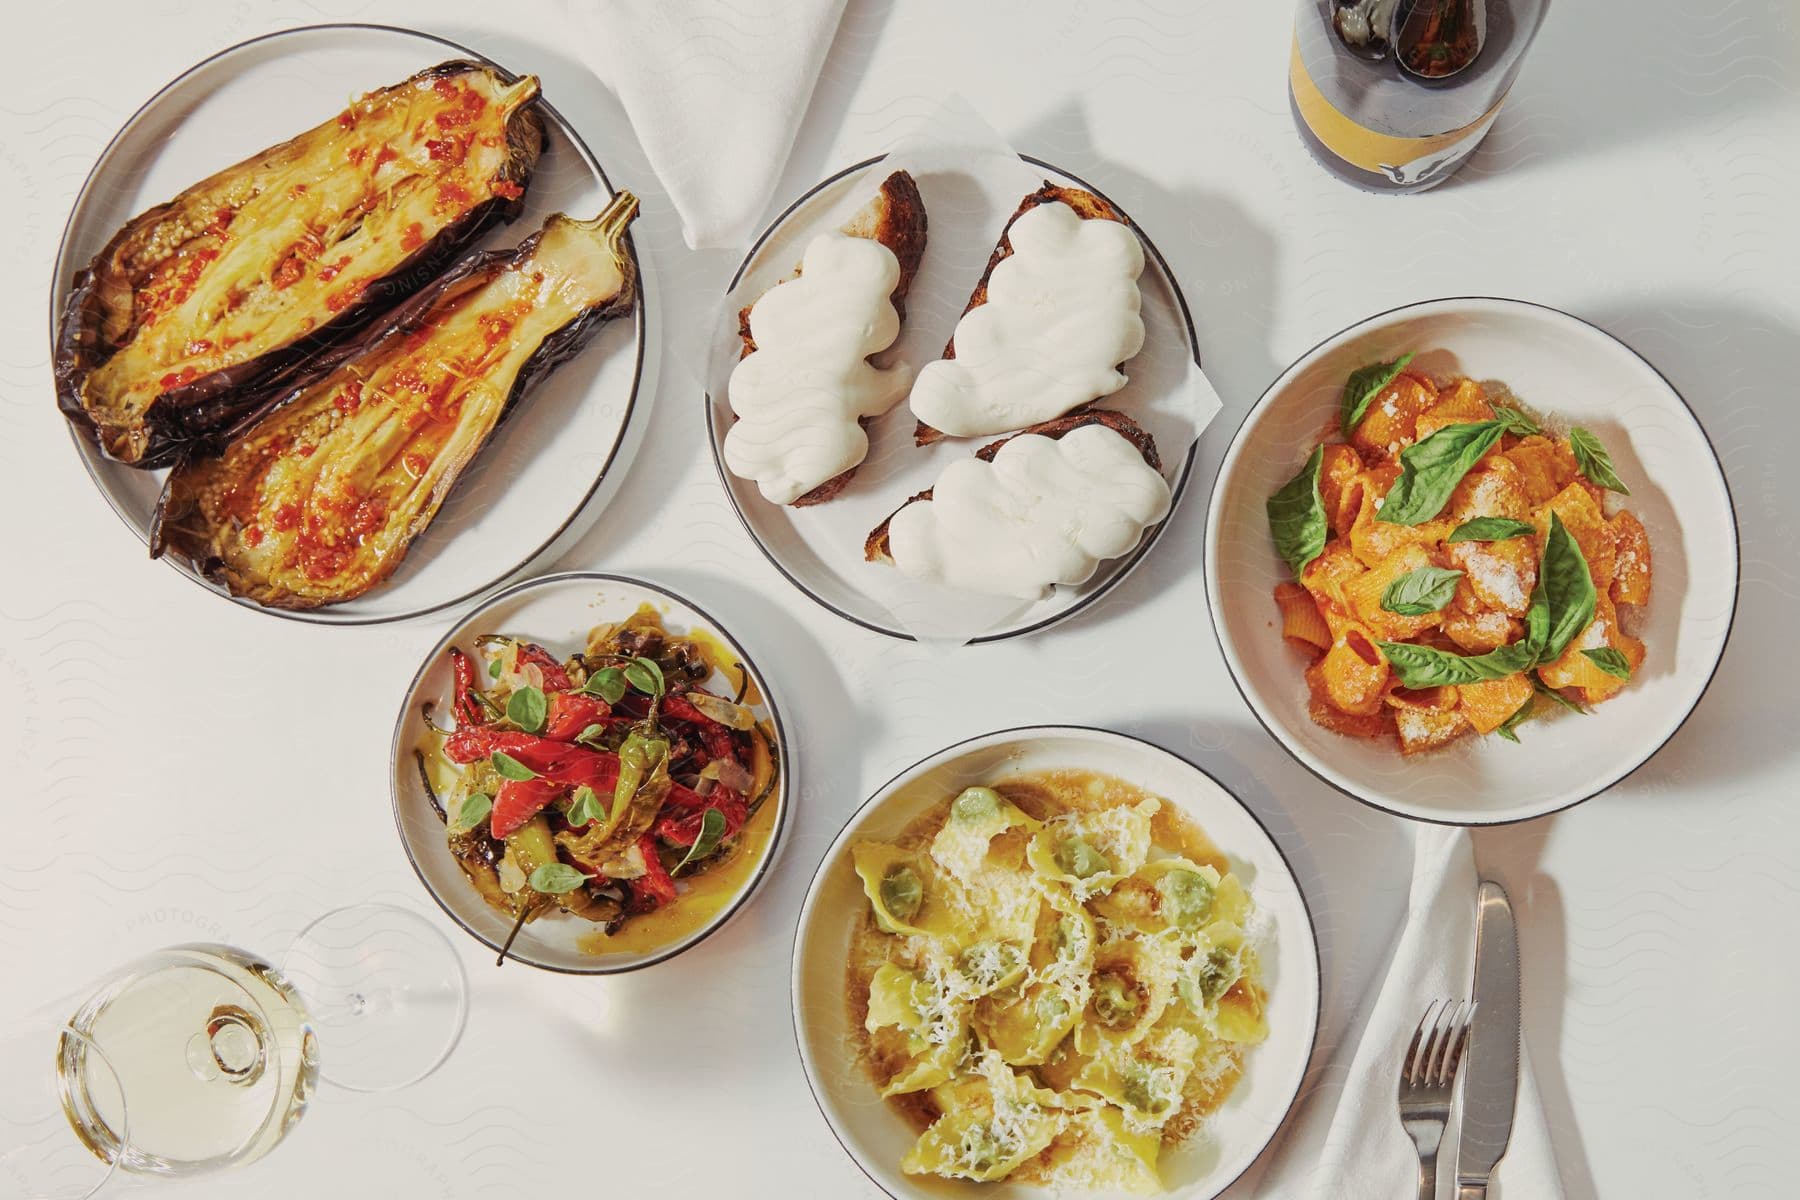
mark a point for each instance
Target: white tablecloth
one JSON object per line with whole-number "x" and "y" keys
{"x": 185, "y": 770}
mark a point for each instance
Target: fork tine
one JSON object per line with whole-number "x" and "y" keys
{"x": 1409, "y": 1070}
{"x": 1460, "y": 1042}
{"x": 1455, "y": 1021}
{"x": 1440, "y": 1037}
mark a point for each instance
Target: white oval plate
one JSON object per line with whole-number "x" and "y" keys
{"x": 877, "y": 1136}
{"x": 556, "y": 611}
{"x": 553, "y": 465}
{"x": 820, "y": 548}
{"x": 1574, "y": 374}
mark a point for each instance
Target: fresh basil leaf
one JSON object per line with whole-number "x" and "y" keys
{"x": 1297, "y": 515}
{"x": 1508, "y": 727}
{"x": 1515, "y": 421}
{"x": 1364, "y": 385}
{"x": 644, "y": 675}
{"x": 510, "y": 767}
{"x": 585, "y": 808}
{"x": 1490, "y": 529}
{"x": 712, "y": 828}
{"x": 553, "y": 879}
{"x": 1416, "y": 593}
{"x": 591, "y": 733}
{"x": 608, "y": 683}
{"x": 1544, "y": 689}
{"x": 1425, "y": 666}
{"x": 1431, "y": 469}
{"x": 1610, "y": 661}
{"x": 527, "y": 709}
{"x": 494, "y": 668}
{"x": 471, "y": 812}
{"x": 1594, "y": 461}
{"x": 1568, "y": 590}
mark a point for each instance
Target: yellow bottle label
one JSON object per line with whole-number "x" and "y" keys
{"x": 1402, "y": 159}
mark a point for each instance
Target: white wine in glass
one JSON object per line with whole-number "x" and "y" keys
{"x": 200, "y": 1057}
{"x": 214, "y": 1050}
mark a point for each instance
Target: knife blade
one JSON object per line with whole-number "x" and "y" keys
{"x": 1491, "y": 1076}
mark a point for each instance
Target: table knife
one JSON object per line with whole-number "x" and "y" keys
{"x": 1491, "y": 1074}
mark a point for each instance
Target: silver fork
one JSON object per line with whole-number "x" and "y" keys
{"x": 1428, "y": 1081}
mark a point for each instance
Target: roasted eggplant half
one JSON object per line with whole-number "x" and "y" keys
{"x": 317, "y": 501}
{"x": 200, "y": 310}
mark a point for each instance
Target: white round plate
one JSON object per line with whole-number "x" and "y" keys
{"x": 1573, "y": 374}
{"x": 820, "y": 548}
{"x": 877, "y": 1136}
{"x": 557, "y": 611}
{"x": 547, "y": 471}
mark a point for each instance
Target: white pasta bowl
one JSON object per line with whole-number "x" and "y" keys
{"x": 877, "y": 1136}
{"x": 1573, "y": 374}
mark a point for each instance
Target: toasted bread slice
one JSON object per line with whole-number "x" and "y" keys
{"x": 875, "y": 547}
{"x": 1087, "y": 206}
{"x": 895, "y": 217}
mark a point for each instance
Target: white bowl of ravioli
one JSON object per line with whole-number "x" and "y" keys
{"x": 1566, "y": 374}
{"x": 1133, "y": 1009}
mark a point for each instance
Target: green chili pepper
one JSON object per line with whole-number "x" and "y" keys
{"x": 639, "y": 755}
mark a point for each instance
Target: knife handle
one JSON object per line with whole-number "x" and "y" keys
{"x": 1471, "y": 1191}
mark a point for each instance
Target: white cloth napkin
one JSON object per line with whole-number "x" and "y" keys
{"x": 715, "y": 92}
{"x": 1347, "y": 1143}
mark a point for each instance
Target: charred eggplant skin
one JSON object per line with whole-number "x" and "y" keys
{"x": 202, "y": 516}
{"x": 192, "y": 415}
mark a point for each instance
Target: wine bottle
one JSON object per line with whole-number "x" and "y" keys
{"x": 1394, "y": 95}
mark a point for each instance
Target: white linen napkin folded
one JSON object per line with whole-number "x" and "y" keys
{"x": 715, "y": 92}
{"x": 1346, "y": 1142}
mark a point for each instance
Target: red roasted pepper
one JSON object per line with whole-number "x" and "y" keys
{"x": 467, "y": 711}
{"x": 716, "y": 737}
{"x": 522, "y": 799}
{"x": 654, "y": 888}
{"x": 519, "y": 801}
{"x": 572, "y": 712}
{"x": 555, "y": 678}
{"x": 682, "y": 816}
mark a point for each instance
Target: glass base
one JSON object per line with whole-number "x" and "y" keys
{"x": 387, "y": 994}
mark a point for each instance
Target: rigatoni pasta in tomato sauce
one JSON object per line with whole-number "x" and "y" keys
{"x": 1454, "y": 563}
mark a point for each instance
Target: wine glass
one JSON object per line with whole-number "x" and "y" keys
{"x": 200, "y": 1057}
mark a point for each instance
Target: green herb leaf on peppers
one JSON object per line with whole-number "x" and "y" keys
{"x": 584, "y": 807}
{"x": 510, "y": 767}
{"x": 608, "y": 683}
{"x": 473, "y": 810}
{"x": 1297, "y": 516}
{"x": 527, "y": 708}
{"x": 553, "y": 879}
{"x": 644, "y": 675}
{"x": 712, "y": 829}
